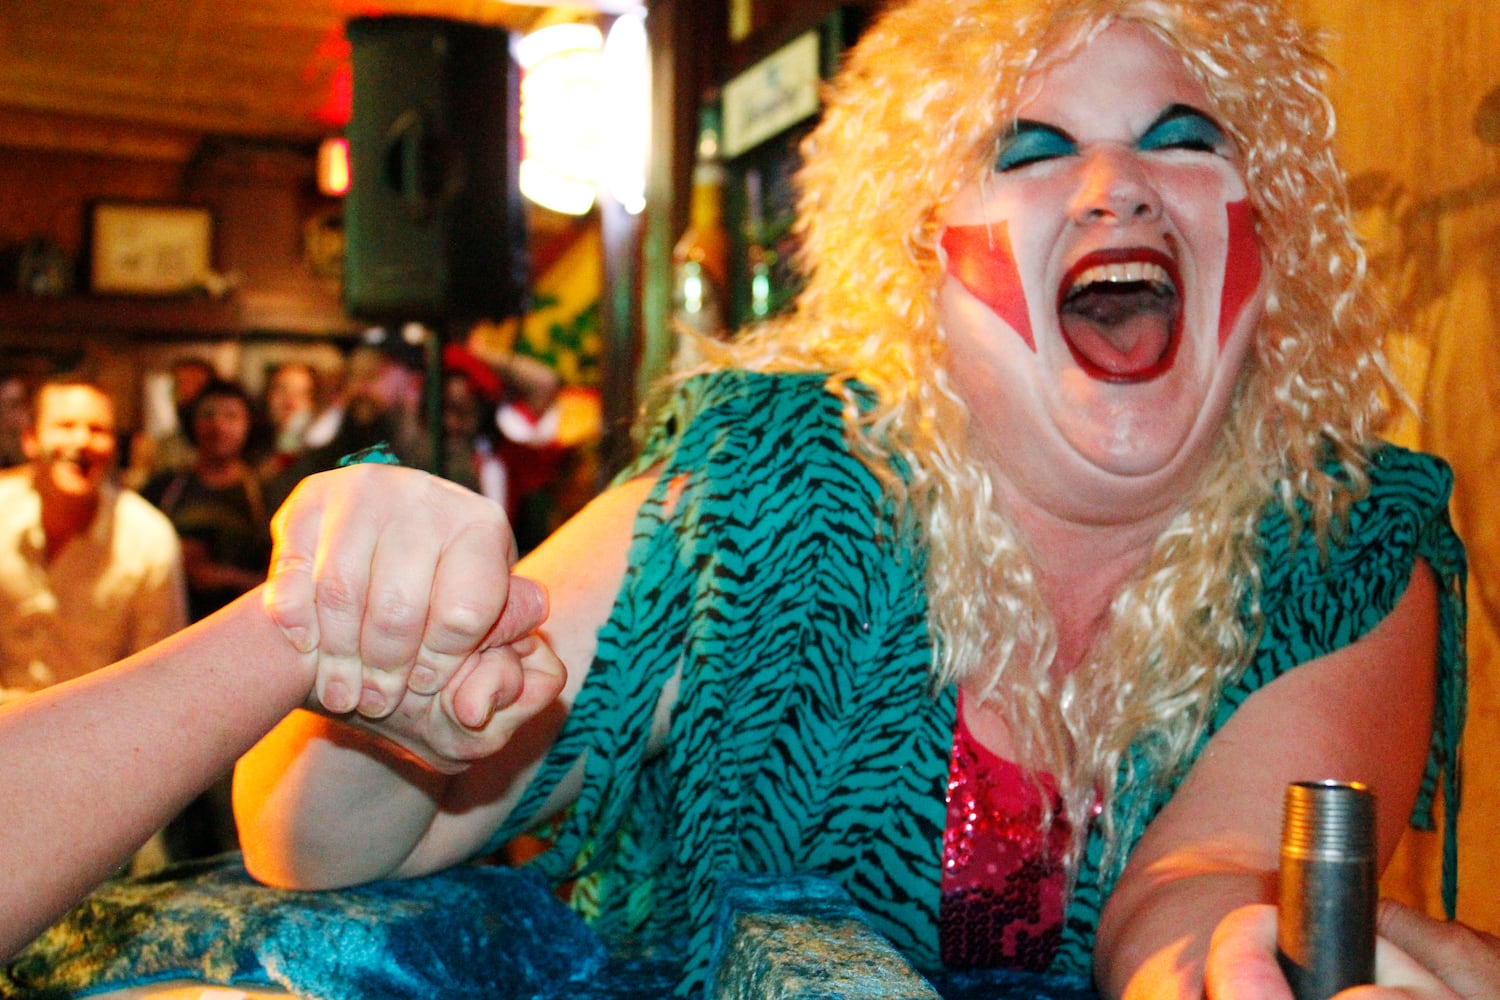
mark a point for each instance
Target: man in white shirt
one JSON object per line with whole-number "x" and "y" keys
{"x": 89, "y": 573}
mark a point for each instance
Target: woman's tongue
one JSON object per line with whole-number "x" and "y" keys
{"x": 1120, "y": 334}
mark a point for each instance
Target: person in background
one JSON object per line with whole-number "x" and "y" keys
{"x": 291, "y": 400}
{"x": 529, "y": 385}
{"x": 1007, "y": 581}
{"x": 383, "y": 387}
{"x": 501, "y": 425}
{"x": 472, "y": 395}
{"x": 375, "y": 399}
{"x": 15, "y": 418}
{"x": 89, "y": 573}
{"x": 217, "y": 504}
{"x": 172, "y": 450}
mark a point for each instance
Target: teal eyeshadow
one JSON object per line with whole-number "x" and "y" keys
{"x": 1029, "y": 142}
{"x": 1187, "y": 130}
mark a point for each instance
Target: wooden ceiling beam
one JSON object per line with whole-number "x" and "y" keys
{"x": 263, "y": 69}
{"x": 26, "y": 129}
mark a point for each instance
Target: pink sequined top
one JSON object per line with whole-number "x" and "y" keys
{"x": 1003, "y": 878}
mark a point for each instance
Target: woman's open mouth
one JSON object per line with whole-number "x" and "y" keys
{"x": 1120, "y": 314}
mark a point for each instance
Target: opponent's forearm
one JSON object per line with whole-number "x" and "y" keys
{"x": 94, "y": 766}
{"x": 321, "y": 805}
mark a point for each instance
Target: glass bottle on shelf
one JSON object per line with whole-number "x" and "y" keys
{"x": 759, "y": 259}
{"x": 700, "y": 259}
{"x": 741, "y": 19}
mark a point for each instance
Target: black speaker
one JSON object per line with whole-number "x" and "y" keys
{"x": 433, "y": 223}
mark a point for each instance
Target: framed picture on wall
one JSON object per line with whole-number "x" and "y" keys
{"x": 147, "y": 248}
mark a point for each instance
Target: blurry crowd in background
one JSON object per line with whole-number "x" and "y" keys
{"x": 90, "y": 574}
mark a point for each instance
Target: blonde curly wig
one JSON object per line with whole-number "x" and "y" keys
{"x": 915, "y": 113}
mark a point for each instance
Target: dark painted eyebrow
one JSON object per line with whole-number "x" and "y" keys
{"x": 1024, "y": 125}
{"x": 1177, "y": 111}
{"x": 1172, "y": 113}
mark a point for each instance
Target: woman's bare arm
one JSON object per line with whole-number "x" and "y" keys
{"x": 1363, "y": 713}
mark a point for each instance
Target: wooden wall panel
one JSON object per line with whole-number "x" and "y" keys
{"x": 43, "y": 193}
{"x": 1413, "y": 78}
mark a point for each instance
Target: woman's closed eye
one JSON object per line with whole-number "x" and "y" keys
{"x": 1178, "y": 128}
{"x": 1031, "y": 142}
{"x": 1182, "y": 127}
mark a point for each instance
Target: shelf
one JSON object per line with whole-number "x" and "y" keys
{"x": 100, "y": 314}
{"x": 116, "y": 314}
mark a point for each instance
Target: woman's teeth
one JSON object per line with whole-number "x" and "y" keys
{"x": 1123, "y": 273}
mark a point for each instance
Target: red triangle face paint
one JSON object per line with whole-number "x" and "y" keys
{"x": 1242, "y": 267}
{"x": 980, "y": 258}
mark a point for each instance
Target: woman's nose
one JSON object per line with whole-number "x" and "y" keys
{"x": 1115, "y": 189}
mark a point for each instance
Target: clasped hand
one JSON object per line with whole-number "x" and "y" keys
{"x": 396, "y": 587}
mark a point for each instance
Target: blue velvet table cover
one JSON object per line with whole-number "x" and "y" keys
{"x": 472, "y": 931}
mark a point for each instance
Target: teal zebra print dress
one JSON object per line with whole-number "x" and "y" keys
{"x": 769, "y": 574}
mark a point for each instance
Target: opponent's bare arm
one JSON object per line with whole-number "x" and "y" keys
{"x": 97, "y": 764}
